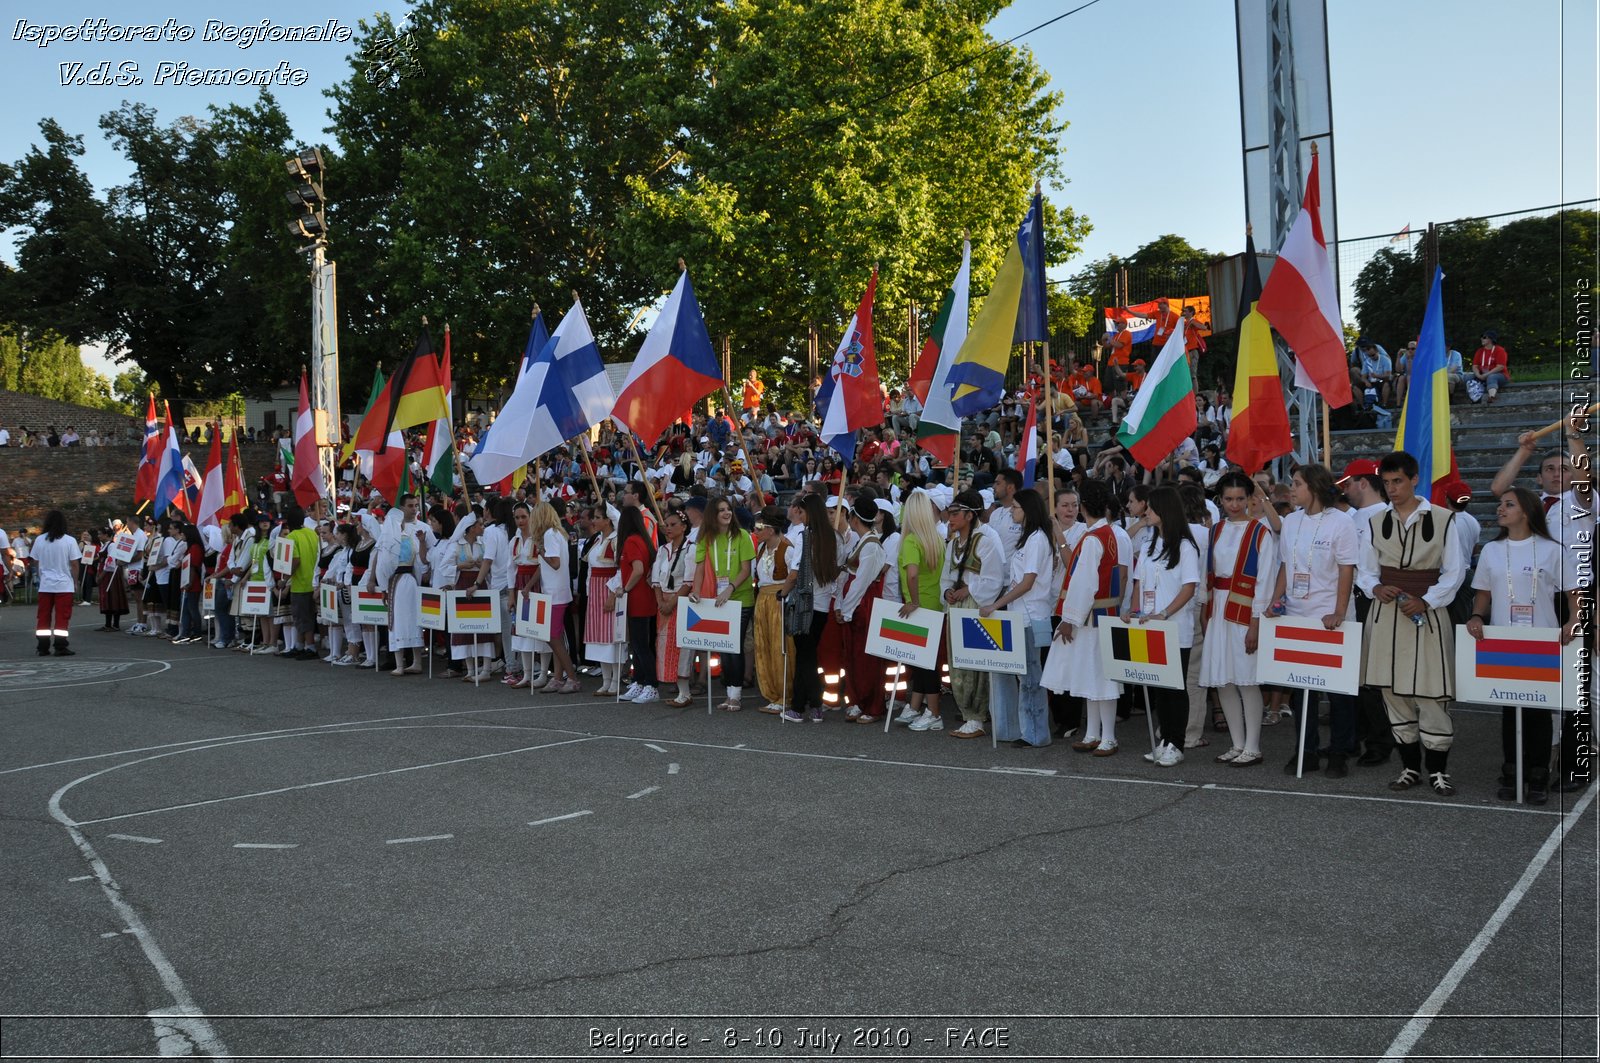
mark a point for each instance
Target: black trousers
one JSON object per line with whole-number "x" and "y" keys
{"x": 1537, "y": 730}
{"x": 642, "y": 647}
{"x": 1172, "y": 707}
{"x": 807, "y": 676}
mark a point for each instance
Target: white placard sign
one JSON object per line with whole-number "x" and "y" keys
{"x": 913, "y": 640}
{"x": 705, "y": 625}
{"x": 1297, "y": 651}
{"x": 996, "y": 643}
{"x": 1142, "y": 654}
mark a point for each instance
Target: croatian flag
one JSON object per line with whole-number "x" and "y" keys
{"x": 849, "y": 397}
{"x": 1028, "y": 453}
{"x": 563, "y": 393}
{"x": 676, "y": 367}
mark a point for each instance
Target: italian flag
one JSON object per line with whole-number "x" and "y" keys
{"x": 1163, "y": 413}
{"x": 938, "y": 427}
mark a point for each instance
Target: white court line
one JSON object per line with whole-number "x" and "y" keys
{"x": 266, "y": 845}
{"x": 423, "y": 838}
{"x": 652, "y": 745}
{"x": 672, "y": 769}
{"x": 134, "y": 838}
{"x": 166, "y": 666}
{"x": 1412, "y": 1032}
{"x": 1384, "y": 800}
{"x": 80, "y": 878}
{"x": 1025, "y": 771}
{"x": 112, "y": 934}
{"x": 558, "y": 819}
{"x": 643, "y": 793}
{"x": 310, "y": 728}
{"x": 297, "y": 786}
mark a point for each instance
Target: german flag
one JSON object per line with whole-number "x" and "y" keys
{"x": 1138, "y": 645}
{"x": 474, "y": 607}
{"x": 432, "y": 603}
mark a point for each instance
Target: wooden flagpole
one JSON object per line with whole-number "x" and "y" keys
{"x": 583, "y": 448}
{"x": 644, "y": 477}
{"x": 1049, "y": 449}
{"x": 1327, "y": 436}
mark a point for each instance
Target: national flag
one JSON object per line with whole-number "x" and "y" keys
{"x": 533, "y": 608}
{"x": 938, "y": 427}
{"x": 432, "y": 603}
{"x": 258, "y": 593}
{"x": 169, "y": 473}
{"x": 1424, "y": 430}
{"x": 1260, "y": 430}
{"x": 1013, "y": 313}
{"x": 564, "y": 393}
{"x": 474, "y": 607}
{"x": 1163, "y": 412}
{"x": 307, "y": 482}
{"x": 233, "y": 496}
{"x": 416, "y": 390}
{"x": 1401, "y": 235}
{"x": 707, "y": 626}
{"x": 1311, "y": 645}
{"x": 1028, "y": 452}
{"x": 1531, "y": 660}
{"x": 1301, "y": 301}
{"x": 676, "y": 367}
{"x": 1140, "y": 319}
{"x": 894, "y": 630}
{"x": 991, "y": 634}
{"x": 327, "y": 600}
{"x": 368, "y": 607}
{"x": 386, "y": 472}
{"x": 188, "y": 500}
{"x": 144, "y": 484}
{"x": 438, "y": 456}
{"x": 851, "y": 400}
{"x": 1138, "y": 645}
{"x": 212, "y": 492}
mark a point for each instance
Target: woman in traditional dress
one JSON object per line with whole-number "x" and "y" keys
{"x": 670, "y": 576}
{"x": 864, "y": 578}
{"x": 600, "y": 642}
{"x": 774, "y": 650}
{"x": 1166, "y": 578}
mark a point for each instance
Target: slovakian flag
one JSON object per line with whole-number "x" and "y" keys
{"x": 1028, "y": 453}
{"x": 1260, "y": 430}
{"x": 144, "y": 484}
{"x": 938, "y": 427}
{"x": 1139, "y": 645}
{"x": 1301, "y": 301}
{"x": 676, "y": 367}
{"x": 850, "y": 399}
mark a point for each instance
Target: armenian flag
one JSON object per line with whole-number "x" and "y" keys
{"x": 1534, "y": 660}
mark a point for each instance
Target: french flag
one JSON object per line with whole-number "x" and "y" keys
{"x": 676, "y": 368}
{"x": 1028, "y": 452}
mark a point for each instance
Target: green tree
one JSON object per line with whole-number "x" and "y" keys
{"x": 48, "y": 366}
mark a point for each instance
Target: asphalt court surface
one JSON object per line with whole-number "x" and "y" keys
{"x": 249, "y": 857}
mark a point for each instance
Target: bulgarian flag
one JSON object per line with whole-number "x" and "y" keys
{"x": 1163, "y": 413}
{"x": 939, "y": 428}
{"x": 438, "y": 459}
{"x": 1260, "y": 430}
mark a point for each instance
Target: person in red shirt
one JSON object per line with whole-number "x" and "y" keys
{"x": 1194, "y": 341}
{"x": 1135, "y": 374}
{"x": 1490, "y": 365}
{"x": 1117, "y": 343}
{"x": 633, "y": 568}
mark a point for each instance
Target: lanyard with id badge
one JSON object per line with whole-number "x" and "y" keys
{"x": 1522, "y": 615}
{"x": 1300, "y": 582}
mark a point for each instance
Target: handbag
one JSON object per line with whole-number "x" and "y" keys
{"x": 797, "y": 604}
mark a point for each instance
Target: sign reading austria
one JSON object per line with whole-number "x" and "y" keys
{"x": 1143, "y": 654}
{"x": 1518, "y": 666}
{"x": 995, "y": 643}
{"x": 913, "y": 640}
{"x": 1299, "y": 652}
{"x": 705, "y": 625}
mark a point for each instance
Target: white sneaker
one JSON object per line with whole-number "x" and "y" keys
{"x": 262, "y": 651}
{"x": 910, "y": 715}
{"x": 1169, "y": 756}
{"x": 927, "y": 721}
{"x": 344, "y": 662}
{"x": 632, "y": 692}
{"x": 645, "y": 696}
{"x": 496, "y": 668}
{"x": 970, "y": 729}
{"x": 852, "y": 712}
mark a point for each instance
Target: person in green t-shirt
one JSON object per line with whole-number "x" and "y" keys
{"x": 730, "y": 553}
{"x": 298, "y": 641}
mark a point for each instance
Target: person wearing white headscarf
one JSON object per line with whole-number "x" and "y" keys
{"x": 398, "y": 557}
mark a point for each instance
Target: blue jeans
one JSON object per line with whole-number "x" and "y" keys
{"x": 1018, "y": 707}
{"x": 227, "y": 623}
{"x": 189, "y": 623}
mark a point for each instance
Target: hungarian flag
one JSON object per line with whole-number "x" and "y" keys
{"x": 438, "y": 460}
{"x": 307, "y": 480}
{"x": 1163, "y": 412}
{"x": 212, "y": 492}
{"x": 853, "y": 401}
{"x": 144, "y": 484}
{"x": 1301, "y": 301}
{"x": 233, "y": 497}
{"x": 1260, "y": 429}
{"x": 939, "y": 429}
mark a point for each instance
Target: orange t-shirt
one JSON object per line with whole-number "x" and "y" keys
{"x": 752, "y": 393}
{"x": 1166, "y": 324}
{"x": 1121, "y": 344}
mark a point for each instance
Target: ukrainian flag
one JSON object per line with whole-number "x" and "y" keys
{"x": 1424, "y": 431}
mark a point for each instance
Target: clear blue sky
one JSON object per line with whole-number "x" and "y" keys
{"x": 1442, "y": 108}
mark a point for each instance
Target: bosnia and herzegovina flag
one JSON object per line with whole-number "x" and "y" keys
{"x": 1014, "y": 313}
{"x": 1424, "y": 430}
{"x": 986, "y": 633}
{"x": 1260, "y": 429}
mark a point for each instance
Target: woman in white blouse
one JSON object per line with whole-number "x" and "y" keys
{"x": 1166, "y": 576}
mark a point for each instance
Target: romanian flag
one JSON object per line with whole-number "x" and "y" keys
{"x": 1532, "y": 660}
{"x": 474, "y": 607}
{"x": 1260, "y": 429}
{"x": 1138, "y": 645}
{"x": 707, "y": 626}
{"x": 1424, "y": 430}
{"x": 1309, "y": 645}
{"x": 986, "y": 633}
{"x": 894, "y": 630}
{"x": 432, "y": 603}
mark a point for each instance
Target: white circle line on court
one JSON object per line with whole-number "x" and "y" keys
{"x": 21, "y": 691}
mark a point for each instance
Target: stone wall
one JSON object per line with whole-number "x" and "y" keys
{"x": 90, "y": 484}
